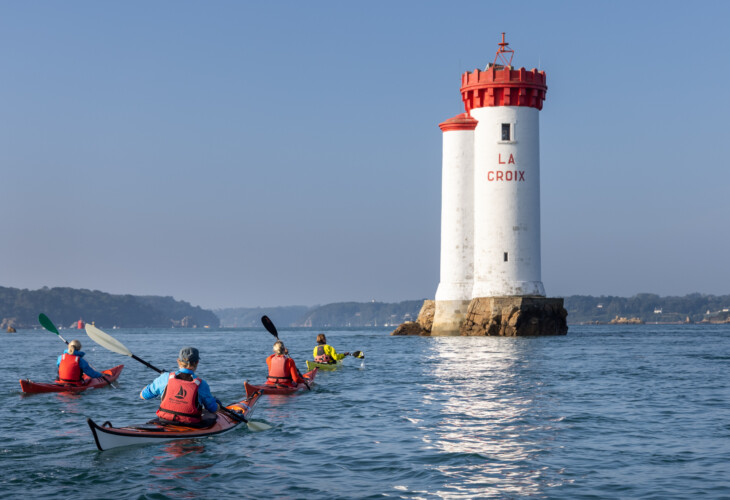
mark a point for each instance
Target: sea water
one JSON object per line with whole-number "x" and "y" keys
{"x": 605, "y": 412}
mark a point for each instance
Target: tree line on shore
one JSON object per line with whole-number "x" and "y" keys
{"x": 20, "y": 308}
{"x": 649, "y": 308}
{"x": 604, "y": 309}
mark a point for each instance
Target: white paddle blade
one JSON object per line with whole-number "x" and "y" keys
{"x": 257, "y": 426}
{"x": 107, "y": 341}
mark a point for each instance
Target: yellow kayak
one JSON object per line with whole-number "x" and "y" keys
{"x": 311, "y": 365}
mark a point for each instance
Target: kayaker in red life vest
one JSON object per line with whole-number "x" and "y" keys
{"x": 184, "y": 396}
{"x": 325, "y": 353}
{"x": 282, "y": 369}
{"x": 72, "y": 366}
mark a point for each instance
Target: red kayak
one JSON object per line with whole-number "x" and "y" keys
{"x": 30, "y": 387}
{"x": 280, "y": 388}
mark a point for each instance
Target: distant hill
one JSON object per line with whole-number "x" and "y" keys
{"x": 340, "y": 314}
{"x": 65, "y": 306}
{"x": 241, "y": 317}
{"x": 649, "y": 308}
{"x": 355, "y": 314}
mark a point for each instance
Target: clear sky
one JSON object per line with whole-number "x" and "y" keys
{"x": 234, "y": 153}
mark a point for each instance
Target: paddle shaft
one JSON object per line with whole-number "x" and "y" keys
{"x": 147, "y": 364}
{"x": 108, "y": 342}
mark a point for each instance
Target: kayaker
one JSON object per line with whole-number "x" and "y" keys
{"x": 282, "y": 369}
{"x": 72, "y": 366}
{"x": 184, "y": 396}
{"x": 325, "y": 353}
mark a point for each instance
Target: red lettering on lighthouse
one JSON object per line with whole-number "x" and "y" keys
{"x": 509, "y": 175}
{"x": 502, "y": 162}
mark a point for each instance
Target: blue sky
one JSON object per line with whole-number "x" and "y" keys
{"x": 280, "y": 153}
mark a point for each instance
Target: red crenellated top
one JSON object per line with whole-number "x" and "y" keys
{"x": 503, "y": 86}
{"x": 459, "y": 122}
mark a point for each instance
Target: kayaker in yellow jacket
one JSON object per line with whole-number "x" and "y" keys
{"x": 325, "y": 353}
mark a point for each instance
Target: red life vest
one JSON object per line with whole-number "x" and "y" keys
{"x": 180, "y": 401}
{"x": 321, "y": 357}
{"x": 69, "y": 370}
{"x": 278, "y": 374}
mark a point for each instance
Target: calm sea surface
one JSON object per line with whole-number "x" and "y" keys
{"x": 604, "y": 412}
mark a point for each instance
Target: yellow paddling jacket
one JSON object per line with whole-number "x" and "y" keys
{"x": 327, "y": 354}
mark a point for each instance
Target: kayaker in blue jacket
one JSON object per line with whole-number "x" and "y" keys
{"x": 72, "y": 366}
{"x": 189, "y": 395}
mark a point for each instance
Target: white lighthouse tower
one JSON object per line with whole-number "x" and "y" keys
{"x": 490, "y": 219}
{"x": 457, "y": 223}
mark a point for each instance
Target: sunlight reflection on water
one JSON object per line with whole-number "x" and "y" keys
{"x": 487, "y": 416}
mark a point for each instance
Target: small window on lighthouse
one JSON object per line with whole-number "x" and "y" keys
{"x": 506, "y": 129}
{"x": 506, "y": 256}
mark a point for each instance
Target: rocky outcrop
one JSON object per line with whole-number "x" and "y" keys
{"x": 505, "y": 316}
{"x": 425, "y": 315}
{"x": 8, "y": 323}
{"x": 515, "y": 316}
{"x": 410, "y": 328}
{"x": 626, "y": 321}
{"x": 422, "y": 325}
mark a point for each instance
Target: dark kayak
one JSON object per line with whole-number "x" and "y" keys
{"x": 280, "y": 388}
{"x": 30, "y": 387}
{"x": 106, "y": 436}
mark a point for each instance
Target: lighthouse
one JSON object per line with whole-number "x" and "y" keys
{"x": 490, "y": 275}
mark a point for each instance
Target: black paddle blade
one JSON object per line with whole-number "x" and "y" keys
{"x": 358, "y": 354}
{"x": 269, "y": 325}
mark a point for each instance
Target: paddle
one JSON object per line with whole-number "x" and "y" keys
{"x": 357, "y": 354}
{"x": 269, "y": 325}
{"x": 46, "y": 322}
{"x": 109, "y": 342}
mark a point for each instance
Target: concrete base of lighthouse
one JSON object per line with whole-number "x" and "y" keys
{"x": 448, "y": 317}
{"x": 491, "y": 316}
